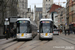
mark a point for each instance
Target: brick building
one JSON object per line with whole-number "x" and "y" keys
{"x": 52, "y": 13}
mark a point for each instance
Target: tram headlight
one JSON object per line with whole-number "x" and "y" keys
{"x": 41, "y": 33}
{"x": 17, "y": 34}
{"x": 27, "y": 34}
{"x": 51, "y": 34}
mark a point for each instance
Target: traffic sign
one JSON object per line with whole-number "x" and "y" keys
{"x": 6, "y": 23}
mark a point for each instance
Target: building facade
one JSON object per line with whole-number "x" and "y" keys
{"x": 46, "y": 5}
{"x": 7, "y": 8}
{"x": 53, "y": 12}
{"x": 70, "y": 6}
{"x": 38, "y": 15}
{"x": 30, "y": 14}
{"x": 22, "y": 8}
{"x": 11, "y": 8}
{"x": 62, "y": 22}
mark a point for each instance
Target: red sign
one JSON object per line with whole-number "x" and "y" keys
{"x": 74, "y": 25}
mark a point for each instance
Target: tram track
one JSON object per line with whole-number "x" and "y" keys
{"x": 67, "y": 40}
{"x": 5, "y": 42}
{"x": 39, "y": 44}
{"x": 19, "y": 46}
{"x": 72, "y": 36}
{"x": 36, "y": 44}
{"x": 9, "y": 46}
{"x": 28, "y": 45}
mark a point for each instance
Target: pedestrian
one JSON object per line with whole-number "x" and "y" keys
{"x": 12, "y": 33}
{"x": 60, "y": 31}
{"x": 7, "y": 32}
{"x": 65, "y": 32}
{"x": 68, "y": 32}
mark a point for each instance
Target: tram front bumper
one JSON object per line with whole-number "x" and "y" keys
{"x": 25, "y": 37}
{"x": 46, "y": 37}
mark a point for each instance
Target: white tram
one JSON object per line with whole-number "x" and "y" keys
{"x": 26, "y": 29}
{"x": 46, "y": 29}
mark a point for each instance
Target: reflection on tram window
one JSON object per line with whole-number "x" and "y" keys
{"x": 45, "y": 27}
{"x": 23, "y": 27}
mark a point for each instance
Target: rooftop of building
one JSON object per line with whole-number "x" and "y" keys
{"x": 54, "y": 7}
{"x": 39, "y": 9}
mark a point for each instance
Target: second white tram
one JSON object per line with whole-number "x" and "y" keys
{"x": 46, "y": 29}
{"x": 26, "y": 29}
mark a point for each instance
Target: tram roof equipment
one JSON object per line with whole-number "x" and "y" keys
{"x": 46, "y": 19}
{"x": 23, "y": 19}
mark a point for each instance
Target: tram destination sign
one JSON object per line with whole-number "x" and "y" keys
{"x": 45, "y": 21}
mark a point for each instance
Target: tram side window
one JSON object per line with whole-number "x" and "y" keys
{"x": 51, "y": 25}
{"x": 43, "y": 28}
{"x": 18, "y": 28}
{"x": 40, "y": 28}
{"x": 29, "y": 28}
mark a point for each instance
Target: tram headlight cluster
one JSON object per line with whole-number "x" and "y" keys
{"x": 51, "y": 34}
{"x": 17, "y": 34}
{"x": 27, "y": 34}
{"x": 41, "y": 33}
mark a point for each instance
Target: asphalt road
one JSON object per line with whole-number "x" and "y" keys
{"x": 59, "y": 42}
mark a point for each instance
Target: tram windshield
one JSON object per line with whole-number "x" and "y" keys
{"x": 46, "y": 27}
{"x": 23, "y": 27}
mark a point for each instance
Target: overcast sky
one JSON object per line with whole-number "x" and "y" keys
{"x": 39, "y": 3}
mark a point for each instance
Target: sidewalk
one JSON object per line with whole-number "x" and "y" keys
{"x": 3, "y": 41}
{"x": 71, "y": 35}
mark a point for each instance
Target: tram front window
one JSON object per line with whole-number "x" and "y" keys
{"x": 45, "y": 28}
{"x": 23, "y": 27}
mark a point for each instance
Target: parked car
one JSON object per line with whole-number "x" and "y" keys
{"x": 55, "y": 32}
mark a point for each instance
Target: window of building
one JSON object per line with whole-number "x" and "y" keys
{"x": 46, "y": 0}
{"x": 49, "y": 0}
{"x": 72, "y": 0}
{"x": 46, "y": 4}
{"x": 74, "y": 8}
{"x": 71, "y": 8}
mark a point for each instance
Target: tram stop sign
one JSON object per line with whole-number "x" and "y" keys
{"x": 6, "y": 23}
